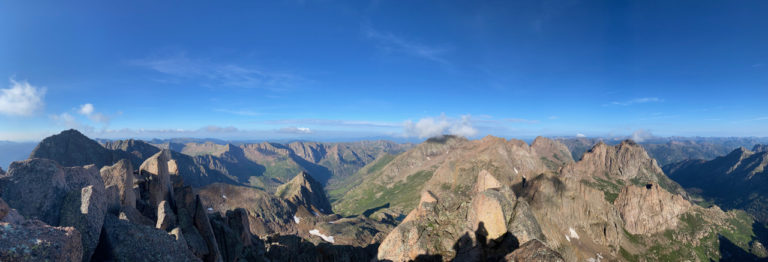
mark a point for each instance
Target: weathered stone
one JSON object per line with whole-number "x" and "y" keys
{"x": 203, "y": 225}
{"x": 85, "y": 205}
{"x": 158, "y": 182}
{"x": 534, "y": 251}
{"x": 33, "y": 240}
{"x": 176, "y": 232}
{"x": 649, "y": 209}
{"x": 134, "y": 216}
{"x": 485, "y": 181}
{"x": 132, "y": 242}
{"x": 85, "y": 211}
{"x": 166, "y": 219}
{"x": 524, "y": 225}
{"x": 120, "y": 176}
{"x": 35, "y": 188}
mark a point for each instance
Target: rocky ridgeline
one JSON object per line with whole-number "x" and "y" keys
{"x": 461, "y": 200}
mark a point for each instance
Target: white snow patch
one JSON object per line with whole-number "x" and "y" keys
{"x": 516, "y": 171}
{"x": 210, "y": 209}
{"x": 574, "y": 235}
{"x": 224, "y": 196}
{"x": 296, "y": 219}
{"x": 324, "y": 237}
{"x": 567, "y": 238}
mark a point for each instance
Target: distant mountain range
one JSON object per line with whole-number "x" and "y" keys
{"x": 667, "y": 150}
{"x": 738, "y": 180}
{"x": 446, "y": 199}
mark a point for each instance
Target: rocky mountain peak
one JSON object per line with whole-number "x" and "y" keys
{"x": 305, "y": 191}
{"x": 552, "y": 150}
{"x": 72, "y": 148}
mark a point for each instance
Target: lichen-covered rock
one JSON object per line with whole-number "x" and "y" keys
{"x": 650, "y": 209}
{"x": 534, "y": 251}
{"x": 33, "y": 240}
{"x": 132, "y": 242}
{"x": 120, "y": 177}
{"x": 36, "y": 188}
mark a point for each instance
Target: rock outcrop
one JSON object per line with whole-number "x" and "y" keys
{"x": 126, "y": 241}
{"x": 555, "y": 153}
{"x": 36, "y": 188}
{"x": 627, "y": 162}
{"x": 304, "y": 191}
{"x": 119, "y": 177}
{"x": 33, "y": 240}
{"x": 470, "y": 226}
{"x": 534, "y": 251}
{"x": 650, "y": 209}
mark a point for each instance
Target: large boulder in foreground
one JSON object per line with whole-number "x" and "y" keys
{"x": 36, "y": 188}
{"x": 126, "y": 241}
{"x": 33, "y": 240}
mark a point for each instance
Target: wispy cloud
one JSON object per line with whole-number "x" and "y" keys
{"x": 295, "y": 130}
{"x": 88, "y": 110}
{"x": 21, "y": 99}
{"x": 390, "y": 42}
{"x": 437, "y": 126}
{"x": 179, "y": 65}
{"x": 332, "y": 122}
{"x": 635, "y": 101}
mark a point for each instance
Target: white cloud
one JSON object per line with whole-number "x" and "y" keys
{"x": 86, "y": 109}
{"x": 442, "y": 125}
{"x": 295, "y": 130}
{"x": 637, "y": 101}
{"x": 21, "y": 99}
{"x": 581, "y": 135}
{"x": 641, "y": 135}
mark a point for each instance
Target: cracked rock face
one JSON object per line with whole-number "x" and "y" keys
{"x": 33, "y": 240}
{"x": 650, "y": 209}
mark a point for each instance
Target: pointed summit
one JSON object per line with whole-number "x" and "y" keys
{"x": 72, "y": 148}
{"x": 304, "y": 191}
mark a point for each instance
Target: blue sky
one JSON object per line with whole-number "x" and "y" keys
{"x": 409, "y": 69}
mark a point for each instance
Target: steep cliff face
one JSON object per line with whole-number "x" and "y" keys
{"x": 555, "y": 154}
{"x": 650, "y": 209}
{"x": 608, "y": 168}
{"x": 736, "y": 180}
